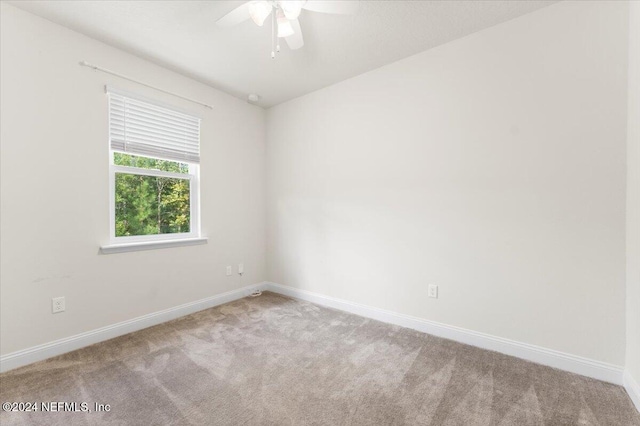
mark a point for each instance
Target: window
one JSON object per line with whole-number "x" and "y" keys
{"x": 154, "y": 171}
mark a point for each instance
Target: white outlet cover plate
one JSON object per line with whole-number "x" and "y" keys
{"x": 57, "y": 305}
{"x": 433, "y": 291}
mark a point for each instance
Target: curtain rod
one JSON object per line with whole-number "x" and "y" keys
{"x": 97, "y": 68}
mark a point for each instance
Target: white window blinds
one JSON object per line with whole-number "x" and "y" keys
{"x": 139, "y": 127}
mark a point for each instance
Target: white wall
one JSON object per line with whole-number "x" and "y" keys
{"x": 493, "y": 166}
{"x": 633, "y": 197}
{"x": 55, "y": 213}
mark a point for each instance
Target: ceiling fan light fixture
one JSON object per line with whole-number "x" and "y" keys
{"x": 291, "y": 8}
{"x": 284, "y": 27}
{"x": 259, "y": 11}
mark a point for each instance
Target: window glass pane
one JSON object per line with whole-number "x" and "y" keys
{"x": 150, "y": 205}
{"x": 120, "y": 159}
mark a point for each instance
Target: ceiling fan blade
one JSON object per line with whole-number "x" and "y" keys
{"x": 295, "y": 41}
{"x": 237, "y": 15}
{"x": 341, "y": 7}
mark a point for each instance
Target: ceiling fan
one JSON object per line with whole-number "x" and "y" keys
{"x": 284, "y": 17}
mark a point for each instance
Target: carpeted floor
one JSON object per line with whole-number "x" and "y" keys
{"x": 277, "y": 361}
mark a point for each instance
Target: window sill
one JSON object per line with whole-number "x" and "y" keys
{"x": 151, "y": 245}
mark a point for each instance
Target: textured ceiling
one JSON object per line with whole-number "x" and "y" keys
{"x": 182, "y": 36}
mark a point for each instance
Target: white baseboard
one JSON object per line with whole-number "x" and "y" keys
{"x": 633, "y": 388}
{"x": 59, "y": 347}
{"x": 552, "y": 358}
{"x": 572, "y": 363}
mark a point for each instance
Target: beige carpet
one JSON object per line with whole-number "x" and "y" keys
{"x": 276, "y": 361}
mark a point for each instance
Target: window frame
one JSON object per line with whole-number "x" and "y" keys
{"x": 194, "y": 200}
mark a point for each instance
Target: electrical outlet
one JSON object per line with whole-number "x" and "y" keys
{"x": 229, "y": 270}
{"x": 433, "y": 291}
{"x": 57, "y": 305}
{"x": 240, "y": 268}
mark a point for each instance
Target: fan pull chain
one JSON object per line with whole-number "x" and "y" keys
{"x": 275, "y": 10}
{"x": 274, "y": 23}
